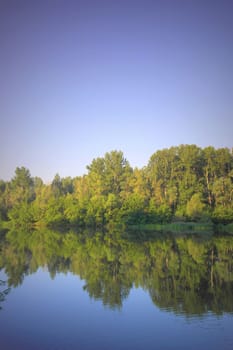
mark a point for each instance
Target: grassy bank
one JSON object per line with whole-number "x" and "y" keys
{"x": 225, "y": 228}
{"x": 185, "y": 228}
{"x": 176, "y": 227}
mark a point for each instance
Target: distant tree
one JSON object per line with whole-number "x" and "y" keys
{"x": 159, "y": 213}
{"x": 3, "y": 207}
{"x": 22, "y": 186}
{"x": 133, "y": 209}
{"x": 195, "y": 207}
{"x": 109, "y": 174}
{"x": 56, "y": 186}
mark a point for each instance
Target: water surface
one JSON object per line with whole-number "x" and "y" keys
{"x": 101, "y": 291}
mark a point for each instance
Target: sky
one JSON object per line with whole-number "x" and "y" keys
{"x": 81, "y": 78}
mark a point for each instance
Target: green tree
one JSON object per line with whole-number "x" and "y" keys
{"x": 109, "y": 174}
{"x": 3, "y": 207}
{"x": 195, "y": 207}
{"x": 133, "y": 209}
{"x": 22, "y": 186}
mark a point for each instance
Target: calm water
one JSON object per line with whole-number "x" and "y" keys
{"x": 104, "y": 292}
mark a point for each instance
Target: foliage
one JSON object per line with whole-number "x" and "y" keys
{"x": 180, "y": 183}
{"x": 195, "y": 207}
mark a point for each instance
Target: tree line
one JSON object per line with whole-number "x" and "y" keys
{"x": 182, "y": 183}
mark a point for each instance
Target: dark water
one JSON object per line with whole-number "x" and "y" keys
{"x": 69, "y": 291}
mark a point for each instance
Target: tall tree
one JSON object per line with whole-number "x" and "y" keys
{"x": 109, "y": 174}
{"x": 22, "y": 186}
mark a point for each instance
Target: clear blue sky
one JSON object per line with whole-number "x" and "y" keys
{"x": 81, "y": 78}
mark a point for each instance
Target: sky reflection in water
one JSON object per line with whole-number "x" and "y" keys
{"x": 58, "y": 314}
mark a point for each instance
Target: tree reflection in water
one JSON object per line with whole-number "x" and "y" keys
{"x": 190, "y": 275}
{"x": 3, "y": 292}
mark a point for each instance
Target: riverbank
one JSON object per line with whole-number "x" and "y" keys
{"x": 185, "y": 227}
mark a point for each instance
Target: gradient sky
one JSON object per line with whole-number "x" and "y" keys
{"x": 81, "y": 78}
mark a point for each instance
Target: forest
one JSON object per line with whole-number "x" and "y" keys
{"x": 184, "y": 183}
